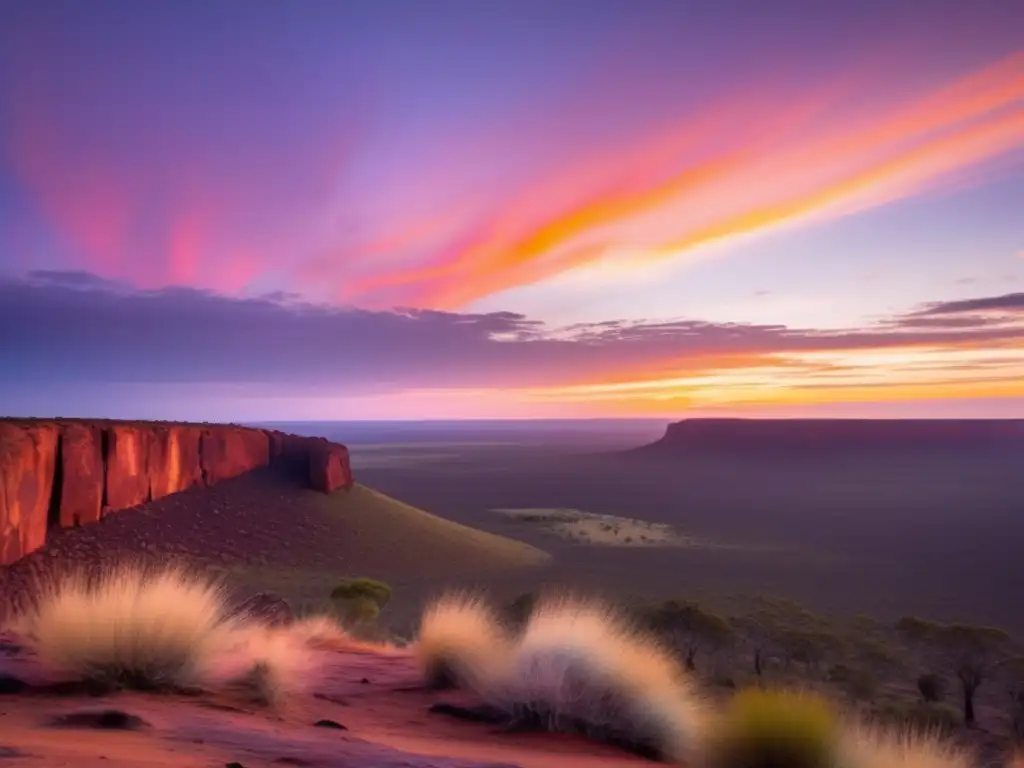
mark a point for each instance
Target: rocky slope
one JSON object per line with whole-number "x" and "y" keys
{"x": 66, "y": 473}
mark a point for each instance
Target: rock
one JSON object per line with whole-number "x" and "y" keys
{"x": 27, "y": 463}
{"x": 329, "y": 468}
{"x": 10, "y": 684}
{"x": 127, "y": 466}
{"x": 330, "y": 724}
{"x": 107, "y": 719}
{"x": 174, "y": 464}
{"x": 267, "y": 608}
{"x": 106, "y": 467}
{"x": 227, "y": 452}
{"x": 81, "y": 499}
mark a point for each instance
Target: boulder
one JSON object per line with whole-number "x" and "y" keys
{"x": 329, "y": 468}
{"x": 27, "y": 463}
{"x": 81, "y": 496}
{"x": 173, "y": 462}
{"x": 226, "y": 452}
{"x": 127, "y": 466}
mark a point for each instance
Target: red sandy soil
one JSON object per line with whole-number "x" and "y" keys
{"x": 373, "y": 695}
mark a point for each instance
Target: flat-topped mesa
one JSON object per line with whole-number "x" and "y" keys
{"x": 64, "y": 473}
{"x": 779, "y": 436}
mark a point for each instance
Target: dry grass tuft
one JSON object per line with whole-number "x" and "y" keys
{"x": 580, "y": 667}
{"x": 775, "y": 729}
{"x": 460, "y": 637}
{"x": 130, "y": 627}
{"x": 870, "y": 747}
{"x": 161, "y": 630}
{"x": 267, "y": 664}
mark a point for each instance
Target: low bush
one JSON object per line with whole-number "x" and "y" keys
{"x": 931, "y": 687}
{"x": 775, "y": 729}
{"x": 360, "y": 600}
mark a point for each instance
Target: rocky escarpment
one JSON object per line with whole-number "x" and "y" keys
{"x": 781, "y": 436}
{"x": 65, "y": 473}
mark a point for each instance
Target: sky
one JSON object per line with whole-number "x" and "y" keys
{"x": 391, "y": 209}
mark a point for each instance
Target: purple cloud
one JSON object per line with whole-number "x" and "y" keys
{"x": 72, "y": 328}
{"x": 1008, "y": 302}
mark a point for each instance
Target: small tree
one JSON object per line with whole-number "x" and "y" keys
{"x": 759, "y": 635}
{"x": 971, "y": 652}
{"x": 691, "y": 627}
{"x": 810, "y": 647}
{"x": 767, "y": 621}
{"x": 360, "y": 600}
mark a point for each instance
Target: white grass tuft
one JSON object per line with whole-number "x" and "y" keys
{"x": 578, "y": 666}
{"x": 871, "y": 747}
{"x": 460, "y": 637}
{"x": 162, "y": 629}
{"x": 129, "y": 626}
{"x": 268, "y": 664}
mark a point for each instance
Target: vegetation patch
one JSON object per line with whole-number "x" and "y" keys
{"x": 775, "y": 729}
{"x": 603, "y": 530}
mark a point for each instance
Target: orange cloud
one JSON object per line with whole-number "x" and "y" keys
{"x": 922, "y": 371}
{"x": 741, "y": 168}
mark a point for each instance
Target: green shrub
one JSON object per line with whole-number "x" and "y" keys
{"x": 931, "y": 687}
{"x": 775, "y": 729}
{"x": 361, "y": 599}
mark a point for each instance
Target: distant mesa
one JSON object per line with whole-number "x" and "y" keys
{"x": 817, "y": 436}
{"x": 67, "y": 472}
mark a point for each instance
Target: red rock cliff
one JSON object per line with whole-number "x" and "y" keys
{"x": 68, "y": 473}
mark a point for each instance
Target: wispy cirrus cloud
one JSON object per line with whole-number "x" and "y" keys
{"x": 387, "y": 185}
{"x": 743, "y": 166}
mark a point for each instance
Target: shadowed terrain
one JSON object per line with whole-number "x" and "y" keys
{"x": 265, "y": 530}
{"x": 920, "y": 532}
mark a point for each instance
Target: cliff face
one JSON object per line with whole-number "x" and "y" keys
{"x": 773, "y": 436}
{"x": 67, "y": 473}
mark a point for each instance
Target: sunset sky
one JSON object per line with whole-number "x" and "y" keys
{"x": 245, "y": 209}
